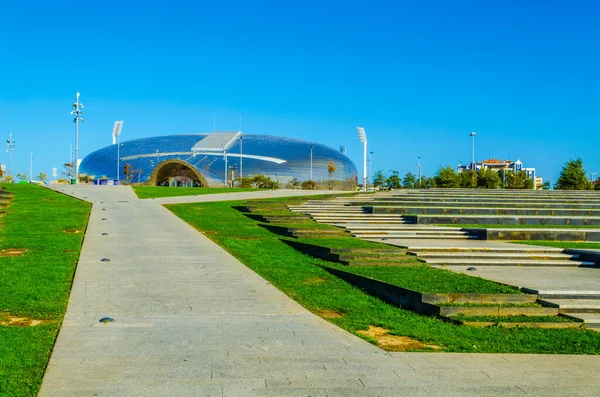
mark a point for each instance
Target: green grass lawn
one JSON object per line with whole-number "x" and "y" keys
{"x": 296, "y": 275}
{"x": 36, "y": 285}
{"x": 424, "y": 278}
{"x": 165, "y": 191}
{"x": 560, "y": 244}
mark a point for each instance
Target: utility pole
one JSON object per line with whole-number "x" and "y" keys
{"x": 10, "y": 148}
{"x": 419, "y": 167}
{"x": 472, "y": 135}
{"x": 77, "y": 112}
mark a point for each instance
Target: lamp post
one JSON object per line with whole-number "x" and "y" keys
{"x": 311, "y": 157}
{"x": 592, "y": 176}
{"x": 70, "y": 162}
{"x": 363, "y": 138}
{"x": 30, "y": 165}
{"x": 241, "y": 158}
{"x": 371, "y": 167}
{"x": 419, "y": 168}
{"x": 225, "y": 155}
{"x": 77, "y": 112}
{"x": 10, "y": 148}
{"x": 472, "y": 135}
{"x": 119, "y": 162}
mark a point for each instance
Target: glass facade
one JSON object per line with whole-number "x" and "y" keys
{"x": 281, "y": 159}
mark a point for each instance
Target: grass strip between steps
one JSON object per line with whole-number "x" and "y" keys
{"x": 35, "y": 286}
{"x": 560, "y": 244}
{"x": 350, "y": 308}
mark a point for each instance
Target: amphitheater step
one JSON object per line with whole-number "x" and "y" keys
{"x": 451, "y": 261}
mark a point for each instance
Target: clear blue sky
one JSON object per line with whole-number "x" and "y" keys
{"x": 419, "y": 76}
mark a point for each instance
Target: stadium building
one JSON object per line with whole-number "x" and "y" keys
{"x": 216, "y": 159}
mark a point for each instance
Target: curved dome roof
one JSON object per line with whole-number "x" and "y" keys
{"x": 279, "y": 158}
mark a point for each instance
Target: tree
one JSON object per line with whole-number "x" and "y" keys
{"x": 42, "y": 177}
{"x": 330, "y": 171}
{"x": 573, "y": 177}
{"x": 467, "y": 179}
{"x": 488, "y": 179}
{"x": 393, "y": 181}
{"x": 517, "y": 180}
{"x": 446, "y": 177}
{"x": 128, "y": 172}
{"x": 547, "y": 185}
{"x": 262, "y": 182}
{"x": 379, "y": 179}
{"x": 293, "y": 184}
{"x": 22, "y": 176}
{"x": 426, "y": 182}
{"x": 409, "y": 181}
{"x": 309, "y": 185}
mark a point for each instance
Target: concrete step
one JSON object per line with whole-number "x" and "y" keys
{"x": 412, "y": 236}
{"x": 363, "y": 222}
{"x": 573, "y": 305}
{"x": 382, "y": 204}
{"x": 507, "y": 249}
{"x": 506, "y": 220}
{"x": 408, "y": 231}
{"x": 591, "y": 320}
{"x": 444, "y": 210}
{"x": 506, "y": 262}
{"x": 362, "y": 215}
{"x": 498, "y": 255}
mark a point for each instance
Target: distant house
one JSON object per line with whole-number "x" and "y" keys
{"x": 503, "y": 165}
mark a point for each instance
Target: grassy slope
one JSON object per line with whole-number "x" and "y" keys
{"x": 36, "y": 285}
{"x": 317, "y": 290}
{"x": 164, "y": 191}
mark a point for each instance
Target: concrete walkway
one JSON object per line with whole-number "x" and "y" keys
{"x": 191, "y": 320}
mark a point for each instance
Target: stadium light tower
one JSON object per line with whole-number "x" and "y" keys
{"x": 363, "y": 138}
{"x": 472, "y": 135}
{"x": 10, "y": 148}
{"x": 77, "y": 112}
{"x": 311, "y": 157}
{"x": 115, "y": 135}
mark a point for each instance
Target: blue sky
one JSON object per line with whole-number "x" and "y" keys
{"x": 419, "y": 76}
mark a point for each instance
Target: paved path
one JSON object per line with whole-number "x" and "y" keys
{"x": 193, "y": 321}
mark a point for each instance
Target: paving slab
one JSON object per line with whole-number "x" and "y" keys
{"x": 191, "y": 320}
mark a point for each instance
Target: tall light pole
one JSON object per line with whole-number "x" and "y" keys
{"x": 592, "y": 176}
{"x": 472, "y": 135}
{"x": 77, "y": 111}
{"x": 371, "y": 167}
{"x": 10, "y": 148}
{"x": 311, "y": 155}
{"x": 363, "y": 138}
{"x": 115, "y": 135}
{"x": 241, "y": 158}
{"x": 419, "y": 167}
{"x": 30, "y": 165}
{"x": 70, "y": 161}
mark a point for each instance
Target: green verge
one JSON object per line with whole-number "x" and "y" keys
{"x": 296, "y": 275}
{"x": 426, "y": 279}
{"x": 36, "y": 285}
{"x": 165, "y": 191}
{"x": 560, "y": 244}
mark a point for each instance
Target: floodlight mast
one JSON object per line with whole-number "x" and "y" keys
{"x": 77, "y": 112}
{"x": 363, "y": 138}
{"x": 472, "y": 135}
{"x": 10, "y": 148}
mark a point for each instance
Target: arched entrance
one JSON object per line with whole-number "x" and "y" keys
{"x": 176, "y": 172}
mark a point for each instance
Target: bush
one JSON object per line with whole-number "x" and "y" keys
{"x": 309, "y": 185}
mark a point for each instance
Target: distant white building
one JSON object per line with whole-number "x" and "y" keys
{"x": 507, "y": 165}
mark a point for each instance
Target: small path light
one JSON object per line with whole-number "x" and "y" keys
{"x": 106, "y": 320}
{"x": 104, "y": 260}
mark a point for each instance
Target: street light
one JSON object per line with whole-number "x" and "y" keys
{"x": 241, "y": 158}
{"x": 371, "y": 167}
{"x": 30, "y": 165}
{"x": 363, "y": 138}
{"x": 472, "y": 135}
{"x": 70, "y": 162}
{"x": 119, "y": 162}
{"x": 311, "y": 157}
{"x": 592, "y": 176}
{"x": 10, "y": 148}
{"x": 77, "y": 112}
{"x": 419, "y": 167}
